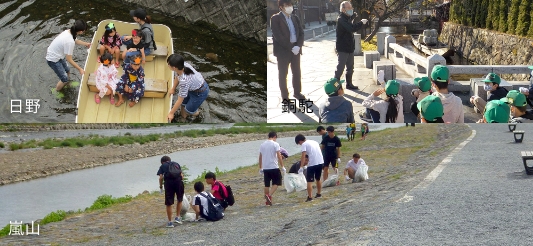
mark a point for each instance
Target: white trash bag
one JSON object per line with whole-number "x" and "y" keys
{"x": 185, "y": 205}
{"x": 294, "y": 182}
{"x": 331, "y": 181}
{"x": 361, "y": 174}
{"x": 190, "y": 217}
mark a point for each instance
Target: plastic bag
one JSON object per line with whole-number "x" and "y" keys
{"x": 361, "y": 174}
{"x": 331, "y": 181}
{"x": 190, "y": 217}
{"x": 294, "y": 182}
{"x": 185, "y": 205}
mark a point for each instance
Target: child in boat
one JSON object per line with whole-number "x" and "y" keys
{"x": 111, "y": 43}
{"x": 136, "y": 47}
{"x": 106, "y": 79}
{"x": 131, "y": 83}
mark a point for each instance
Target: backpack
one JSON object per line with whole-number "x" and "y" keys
{"x": 229, "y": 199}
{"x": 174, "y": 171}
{"x": 147, "y": 45}
{"x": 215, "y": 211}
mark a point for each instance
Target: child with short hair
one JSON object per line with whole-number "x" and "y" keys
{"x": 364, "y": 131}
{"x": 111, "y": 43}
{"x": 131, "y": 83}
{"x": 200, "y": 204}
{"x": 348, "y": 131}
{"x": 217, "y": 188}
{"x": 136, "y": 47}
{"x": 106, "y": 79}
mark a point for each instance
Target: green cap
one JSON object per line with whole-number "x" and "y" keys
{"x": 440, "y": 73}
{"x": 515, "y": 98}
{"x": 392, "y": 87}
{"x": 497, "y": 111}
{"x": 492, "y": 78}
{"x": 431, "y": 107}
{"x": 332, "y": 85}
{"x": 423, "y": 83}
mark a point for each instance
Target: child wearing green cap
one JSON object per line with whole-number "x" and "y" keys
{"x": 493, "y": 89}
{"x": 452, "y": 104}
{"x": 336, "y": 109}
{"x": 431, "y": 110}
{"x": 423, "y": 90}
{"x": 391, "y": 109}
{"x": 518, "y": 103}
{"x": 496, "y": 111}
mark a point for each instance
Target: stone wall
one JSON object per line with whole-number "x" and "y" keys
{"x": 245, "y": 18}
{"x": 486, "y": 47}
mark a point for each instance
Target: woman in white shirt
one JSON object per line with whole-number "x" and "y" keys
{"x": 62, "y": 48}
{"x": 193, "y": 89}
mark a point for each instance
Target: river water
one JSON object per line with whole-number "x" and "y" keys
{"x": 27, "y": 27}
{"x": 34, "y": 199}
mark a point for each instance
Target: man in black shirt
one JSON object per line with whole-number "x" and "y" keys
{"x": 331, "y": 146}
{"x": 172, "y": 186}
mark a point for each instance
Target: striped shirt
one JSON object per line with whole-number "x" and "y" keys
{"x": 190, "y": 82}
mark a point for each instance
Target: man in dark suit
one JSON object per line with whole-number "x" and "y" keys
{"x": 345, "y": 44}
{"x": 288, "y": 39}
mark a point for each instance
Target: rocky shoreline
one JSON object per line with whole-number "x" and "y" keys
{"x": 23, "y": 165}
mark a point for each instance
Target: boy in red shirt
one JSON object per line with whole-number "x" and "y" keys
{"x": 217, "y": 188}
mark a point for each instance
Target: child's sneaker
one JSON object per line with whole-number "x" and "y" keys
{"x": 309, "y": 199}
{"x": 268, "y": 200}
{"x": 170, "y": 225}
{"x": 177, "y": 220}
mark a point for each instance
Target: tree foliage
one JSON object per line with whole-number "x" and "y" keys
{"x": 511, "y": 16}
{"x": 382, "y": 10}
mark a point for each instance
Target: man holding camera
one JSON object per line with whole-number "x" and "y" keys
{"x": 345, "y": 44}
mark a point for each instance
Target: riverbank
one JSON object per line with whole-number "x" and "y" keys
{"x": 398, "y": 160}
{"x": 34, "y": 163}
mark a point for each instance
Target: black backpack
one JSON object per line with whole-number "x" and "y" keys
{"x": 215, "y": 211}
{"x": 174, "y": 171}
{"x": 147, "y": 45}
{"x": 230, "y": 199}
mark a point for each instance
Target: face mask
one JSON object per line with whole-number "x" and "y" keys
{"x": 349, "y": 12}
{"x": 487, "y": 87}
{"x": 288, "y": 10}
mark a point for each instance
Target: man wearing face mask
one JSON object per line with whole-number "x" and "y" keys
{"x": 493, "y": 89}
{"x": 288, "y": 39}
{"x": 345, "y": 44}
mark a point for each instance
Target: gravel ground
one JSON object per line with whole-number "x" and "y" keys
{"x": 482, "y": 197}
{"x": 348, "y": 214}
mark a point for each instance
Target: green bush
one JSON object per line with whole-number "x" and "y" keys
{"x": 2, "y": 145}
{"x": 105, "y": 201}
{"x": 14, "y": 146}
{"x": 59, "y": 215}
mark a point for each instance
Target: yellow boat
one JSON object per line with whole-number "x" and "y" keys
{"x": 156, "y": 103}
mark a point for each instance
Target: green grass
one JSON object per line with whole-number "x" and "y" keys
{"x": 2, "y": 145}
{"x": 101, "y": 202}
{"x": 128, "y": 138}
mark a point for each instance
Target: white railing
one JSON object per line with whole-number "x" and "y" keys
{"x": 416, "y": 65}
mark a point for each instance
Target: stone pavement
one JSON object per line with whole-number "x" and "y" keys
{"x": 318, "y": 64}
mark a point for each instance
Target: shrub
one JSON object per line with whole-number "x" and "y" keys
{"x": 59, "y": 215}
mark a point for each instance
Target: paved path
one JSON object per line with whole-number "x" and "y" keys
{"x": 481, "y": 197}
